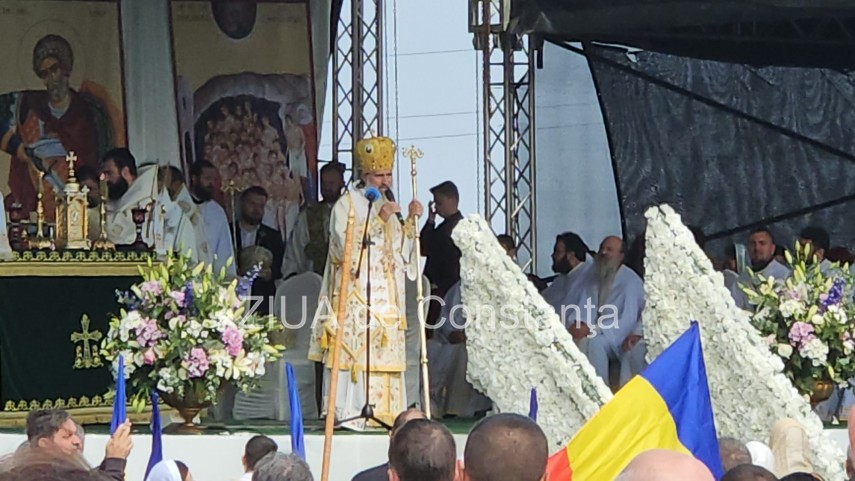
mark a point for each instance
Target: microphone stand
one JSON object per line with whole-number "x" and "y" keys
{"x": 367, "y": 412}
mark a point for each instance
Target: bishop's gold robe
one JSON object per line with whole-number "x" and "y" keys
{"x": 392, "y": 258}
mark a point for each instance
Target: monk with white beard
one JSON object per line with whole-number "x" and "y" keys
{"x": 609, "y": 325}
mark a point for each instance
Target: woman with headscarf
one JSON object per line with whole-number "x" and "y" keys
{"x": 169, "y": 470}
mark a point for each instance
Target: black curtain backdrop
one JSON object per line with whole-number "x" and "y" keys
{"x": 729, "y": 146}
{"x": 37, "y": 317}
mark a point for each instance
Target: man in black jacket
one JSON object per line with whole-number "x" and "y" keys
{"x": 55, "y": 430}
{"x": 252, "y": 233}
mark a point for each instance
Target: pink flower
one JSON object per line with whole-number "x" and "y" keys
{"x": 233, "y": 341}
{"x": 178, "y": 297}
{"x": 151, "y": 287}
{"x": 800, "y": 334}
{"x": 149, "y": 357}
{"x": 196, "y": 363}
{"x": 148, "y": 333}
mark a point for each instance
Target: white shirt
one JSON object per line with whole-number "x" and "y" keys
{"x": 219, "y": 237}
{"x": 247, "y": 237}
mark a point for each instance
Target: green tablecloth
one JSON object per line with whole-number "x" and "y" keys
{"x": 49, "y": 351}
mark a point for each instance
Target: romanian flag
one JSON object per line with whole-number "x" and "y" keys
{"x": 666, "y": 407}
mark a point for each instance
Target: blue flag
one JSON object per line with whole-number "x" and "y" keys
{"x": 532, "y": 405}
{"x": 120, "y": 413}
{"x": 156, "y": 436}
{"x": 298, "y": 445}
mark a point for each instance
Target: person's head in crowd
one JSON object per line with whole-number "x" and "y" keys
{"x": 609, "y": 259}
{"x": 120, "y": 168}
{"x": 730, "y": 259}
{"x": 423, "y": 450}
{"x": 203, "y": 180}
{"x": 256, "y": 448}
{"x": 761, "y": 248}
{"x": 569, "y": 251}
{"x": 818, "y": 240}
{"x": 53, "y": 429}
{"x": 282, "y": 467}
{"x": 332, "y": 181}
{"x": 505, "y": 447}
{"x": 789, "y": 443}
{"x": 81, "y": 433}
{"x": 748, "y": 472}
{"x": 170, "y": 178}
{"x": 761, "y": 455}
{"x": 252, "y": 202}
{"x": 403, "y": 418}
{"x": 446, "y": 199}
{"x": 507, "y": 243}
{"x": 801, "y": 477}
{"x": 88, "y": 177}
{"x": 733, "y": 453}
{"x": 169, "y": 470}
{"x": 664, "y": 465}
{"x": 841, "y": 255}
{"x": 45, "y": 465}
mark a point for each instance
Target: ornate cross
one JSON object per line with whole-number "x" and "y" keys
{"x": 71, "y": 158}
{"x": 86, "y": 359}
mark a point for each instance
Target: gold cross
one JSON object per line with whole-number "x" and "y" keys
{"x": 413, "y": 154}
{"x": 86, "y": 359}
{"x": 71, "y": 158}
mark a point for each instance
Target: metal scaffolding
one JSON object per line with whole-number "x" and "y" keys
{"x": 357, "y": 83}
{"x": 508, "y": 106}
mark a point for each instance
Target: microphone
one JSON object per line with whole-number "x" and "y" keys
{"x": 372, "y": 194}
{"x": 391, "y": 198}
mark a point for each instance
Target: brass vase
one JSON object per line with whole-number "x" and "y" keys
{"x": 821, "y": 391}
{"x": 188, "y": 408}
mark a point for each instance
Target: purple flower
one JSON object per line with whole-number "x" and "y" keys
{"x": 188, "y": 297}
{"x": 834, "y": 295}
{"x": 800, "y": 334}
{"x": 148, "y": 334}
{"x": 233, "y": 341}
{"x": 151, "y": 287}
{"x": 196, "y": 363}
{"x": 245, "y": 282}
{"x": 178, "y": 297}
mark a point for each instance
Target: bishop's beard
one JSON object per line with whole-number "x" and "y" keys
{"x": 606, "y": 269}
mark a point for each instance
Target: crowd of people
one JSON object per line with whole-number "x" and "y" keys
{"x": 501, "y": 447}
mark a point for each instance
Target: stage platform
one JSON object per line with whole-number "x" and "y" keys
{"x": 216, "y": 454}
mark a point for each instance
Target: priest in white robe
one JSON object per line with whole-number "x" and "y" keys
{"x": 610, "y": 303}
{"x": 170, "y": 178}
{"x": 203, "y": 178}
{"x": 761, "y": 252}
{"x": 568, "y": 257}
{"x": 392, "y": 258}
{"x": 165, "y": 228}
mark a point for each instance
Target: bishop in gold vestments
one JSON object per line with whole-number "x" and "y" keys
{"x": 392, "y": 257}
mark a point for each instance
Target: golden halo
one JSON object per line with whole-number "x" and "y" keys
{"x": 28, "y": 41}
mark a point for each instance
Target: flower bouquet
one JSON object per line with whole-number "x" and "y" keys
{"x": 184, "y": 331}
{"x": 806, "y": 321}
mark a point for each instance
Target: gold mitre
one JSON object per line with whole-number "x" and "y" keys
{"x": 375, "y": 153}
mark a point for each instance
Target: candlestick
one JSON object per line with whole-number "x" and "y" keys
{"x": 40, "y": 242}
{"x": 103, "y": 243}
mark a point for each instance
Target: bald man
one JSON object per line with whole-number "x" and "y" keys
{"x": 748, "y": 472}
{"x": 505, "y": 447}
{"x": 381, "y": 473}
{"x": 423, "y": 450}
{"x": 663, "y": 465}
{"x": 608, "y": 327}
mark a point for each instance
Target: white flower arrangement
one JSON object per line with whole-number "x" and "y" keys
{"x": 516, "y": 342}
{"x": 748, "y": 389}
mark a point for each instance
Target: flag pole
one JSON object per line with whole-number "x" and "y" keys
{"x": 415, "y": 154}
{"x": 339, "y": 317}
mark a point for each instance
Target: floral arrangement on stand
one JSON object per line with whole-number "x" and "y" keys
{"x": 748, "y": 387}
{"x": 184, "y": 331}
{"x": 805, "y": 320}
{"x": 515, "y": 341}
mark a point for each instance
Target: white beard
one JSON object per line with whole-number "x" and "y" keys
{"x": 606, "y": 270}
